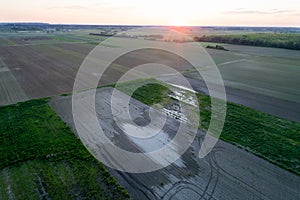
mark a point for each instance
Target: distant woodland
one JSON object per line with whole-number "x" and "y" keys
{"x": 286, "y": 41}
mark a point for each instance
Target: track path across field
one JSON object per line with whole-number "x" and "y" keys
{"x": 227, "y": 172}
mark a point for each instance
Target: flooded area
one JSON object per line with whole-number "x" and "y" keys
{"x": 278, "y": 107}
{"x": 227, "y": 172}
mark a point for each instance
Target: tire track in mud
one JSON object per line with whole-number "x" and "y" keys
{"x": 138, "y": 185}
{"x": 10, "y": 89}
{"x": 189, "y": 185}
{"x": 131, "y": 180}
{"x": 231, "y": 176}
{"x": 226, "y": 173}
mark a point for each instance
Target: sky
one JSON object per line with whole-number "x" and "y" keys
{"x": 154, "y": 12}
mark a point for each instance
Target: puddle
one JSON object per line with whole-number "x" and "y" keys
{"x": 182, "y": 87}
{"x": 183, "y": 94}
{"x": 184, "y": 97}
{"x": 175, "y": 114}
{"x": 154, "y": 143}
{"x": 149, "y": 144}
{"x": 140, "y": 132}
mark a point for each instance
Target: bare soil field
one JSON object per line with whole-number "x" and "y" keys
{"x": 84, "y": 48}
{"x": 47, "y": 70}
{"x": 264, "y": 51}
{"x": 6, "y": 42}
{"x": 39, "y": 74}
{"x": 226, "y": 173}
{"x": 262, "y": 78}
{"x": 19, "y": 41}
{"x": 268, "y": 71}
{"x": 10, "y": 90}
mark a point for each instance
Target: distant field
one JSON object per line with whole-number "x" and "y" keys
{"x": 32, "y": 38}
{"x": 6, "y": 42}
{"x": 40, "y": 158}
{"x": 264, "y": 76}
{"x": 50, "y": 68}
{"x": 267, "y": 71}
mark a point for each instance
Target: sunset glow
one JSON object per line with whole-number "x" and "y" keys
{"x": 167, "y": 12}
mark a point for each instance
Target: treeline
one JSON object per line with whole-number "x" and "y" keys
{"x": 219, "y": 47}
{"x": 287, "y": 41}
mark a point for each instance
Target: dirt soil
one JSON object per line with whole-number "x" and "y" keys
{"x": 226, "y": 173}
{"x": 46, "y": 70}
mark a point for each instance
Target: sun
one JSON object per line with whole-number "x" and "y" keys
{"x": 178, "y": 22}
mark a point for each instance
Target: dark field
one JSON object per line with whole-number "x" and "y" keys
{"x": 50, "y": 69}
{"x": 43, "y": 70}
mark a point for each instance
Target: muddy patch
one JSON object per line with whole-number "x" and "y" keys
{"x": 226, "y": 173}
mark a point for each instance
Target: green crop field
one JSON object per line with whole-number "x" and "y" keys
{"x": 41, "y": 158}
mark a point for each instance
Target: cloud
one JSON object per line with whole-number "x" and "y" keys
{"x": 95, "y": 7}
{"x": 241, "y": 11}
{"x": 71, "y": 7}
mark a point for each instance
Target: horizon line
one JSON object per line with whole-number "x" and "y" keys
{"x": 92, "y": 24}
